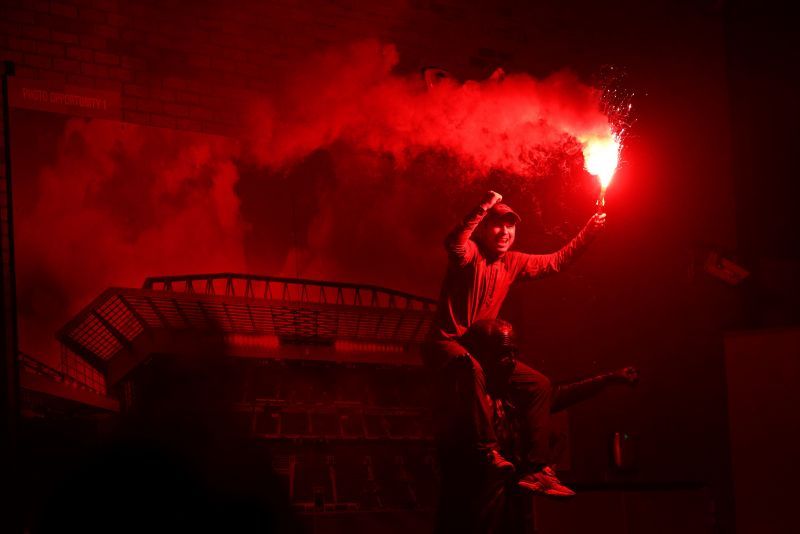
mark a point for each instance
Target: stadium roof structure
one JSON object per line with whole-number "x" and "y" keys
{"x": 43, "y": 385}
{"x": 286, "y": 310}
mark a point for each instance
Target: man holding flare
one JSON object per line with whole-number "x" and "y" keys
{"x": 481, "y": 269}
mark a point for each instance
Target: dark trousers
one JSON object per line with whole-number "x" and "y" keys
{"x": 464, "y": 411}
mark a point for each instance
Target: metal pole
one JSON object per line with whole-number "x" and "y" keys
{"x": 9, "y": 375}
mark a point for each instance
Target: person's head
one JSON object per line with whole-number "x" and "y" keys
{"x": 497, "y": 231}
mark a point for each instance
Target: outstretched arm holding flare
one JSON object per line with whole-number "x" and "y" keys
{"x": 536, "y": 265}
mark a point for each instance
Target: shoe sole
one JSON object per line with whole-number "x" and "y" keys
{"x": 547, "y": 493}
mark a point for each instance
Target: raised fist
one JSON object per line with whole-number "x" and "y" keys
{"x": 490, "y": 199}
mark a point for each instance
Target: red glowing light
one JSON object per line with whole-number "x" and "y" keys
{"x": 601, "y": 157}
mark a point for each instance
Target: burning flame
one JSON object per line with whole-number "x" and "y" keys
{"x": 601, "y": 157}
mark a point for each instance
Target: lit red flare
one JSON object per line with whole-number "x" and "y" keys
{"x": 601, "y": 157}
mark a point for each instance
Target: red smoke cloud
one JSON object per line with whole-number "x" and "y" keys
{"x": 118, "y": 203}
{"x": 512, "y": 123}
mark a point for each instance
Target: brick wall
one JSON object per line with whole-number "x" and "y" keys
{"x": 191, "y": 65}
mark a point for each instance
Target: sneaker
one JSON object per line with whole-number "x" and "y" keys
{"x": 545, "y": 482}
{"x": 497, "y": 461}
